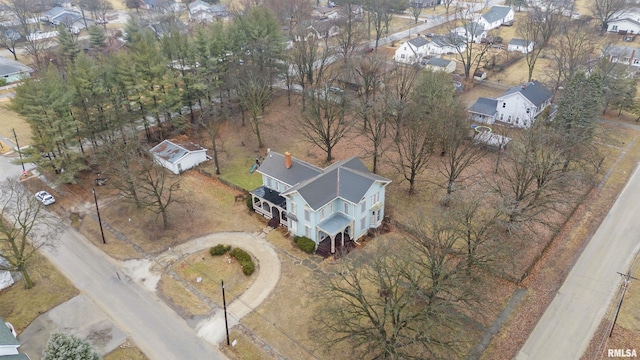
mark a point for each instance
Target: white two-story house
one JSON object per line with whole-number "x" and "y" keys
{"x": 495, "y": 17}
{"x": 518, "y": 106}
{"x": 411, "y": 51}
{"x": 333, "y": 205}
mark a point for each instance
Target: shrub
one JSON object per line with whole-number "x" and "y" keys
{"x": 305, "y": 244}
{"x": 249, "y": 200}
{"x": 219, "y": 249}
{"x": 245, "y": 260}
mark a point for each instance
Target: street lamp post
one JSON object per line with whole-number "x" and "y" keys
{"x": 95, "y": 199}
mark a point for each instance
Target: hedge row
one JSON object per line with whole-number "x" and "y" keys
{"x": 220, "y": 249}
{"x": 305, "y": 244}
{"x": 245, "y": 260}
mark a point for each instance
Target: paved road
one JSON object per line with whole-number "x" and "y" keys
{"x": 570, "y": 321}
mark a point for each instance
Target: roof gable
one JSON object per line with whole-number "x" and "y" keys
{"x": 174, "y": 151}
{"x": 496, "y": 13}
{"x": 533, "y": 91}
{"x": 274, "y": 166}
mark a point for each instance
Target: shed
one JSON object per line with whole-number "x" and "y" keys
{"x": 179, "y": 156}
{"x": 438, "y": 64}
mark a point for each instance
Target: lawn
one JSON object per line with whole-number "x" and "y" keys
{"x": 9, "y": 121}
{"x": 20, "y": 307}
{"x": 126, "y": 351}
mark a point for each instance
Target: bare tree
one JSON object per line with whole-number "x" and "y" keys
{"x": 255, "y": 93}
{"x": 308, "y": 63}
{"x": 383, "y": 309}
{"x": 352, "y": 32}
{"x": 8, "y": 40}
{"x": 605, "y": 10}
{"x": 157, "y": 189}
{"x": 416, "y": 10}
{"x": 573, "y": 48}
{"x": 324, "y": 121}
{"x": 399, "y": 87}
{"x": 377, "y": 120}
{"x": 25, "y": 228}
{"x": 462, "y": 38}
{"x": 120, "y": 162}
{"x": 538, "y": 26}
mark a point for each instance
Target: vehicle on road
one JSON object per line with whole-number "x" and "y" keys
{"x": 45, "y": 197}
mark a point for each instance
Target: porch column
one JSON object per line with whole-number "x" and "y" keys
{"x": 342, "y": 237}
{"x": 333, "y": 244}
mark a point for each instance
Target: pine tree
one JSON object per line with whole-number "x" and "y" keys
{"x": 69, "y": 48}
{"x": 68, "y": 347}
{"x": 96, "y": 37}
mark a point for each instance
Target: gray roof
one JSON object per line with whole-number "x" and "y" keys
{"x": 174, "y": 151}
{"x": 15, "y": 357}
{"x": 439, "y": 62}
{"x": 534, "y": 91}
{"x": 11, "y": 67}
{"x": 6, "y": 337}
{"x": 348, "y": 179}
{"x": 484, "y": 106}
{"x": 520, "y": 42}
{"x": 418, "y": 41}
{"x": 496, "y": 13}
{"x": 622, "y": 51}
{"x": 273, "y": 166}
{"x": 448, "y": 40}
{"x": 54, "y": 11}
{"x": 475, "y": 28}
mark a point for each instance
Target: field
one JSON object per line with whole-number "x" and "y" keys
{"x": 10, "y": 121}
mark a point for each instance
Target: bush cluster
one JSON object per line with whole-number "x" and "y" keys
{"x": 305, "y": 244}
{"x": 219, "y": 249}
{"x": 249, "y": 200}
{"x": 245, "y": 260}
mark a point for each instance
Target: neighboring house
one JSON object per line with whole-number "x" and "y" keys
{"x": 6, "y": 279}
{"x": 411, "y": 51}
{"x": 627, "y": 21}
{"x": 438, "y": 64}
{"x": 9, "y": 344}
{"x": 472, "y": 32}
{"x": 204, "y": 12}
{"x": 326, "y": 13}
{"x": 520, "y": 45}
{"x": 179, "y": 156}
{"x": 336, "y": 204}
{"x": 495, "y": 17}
{"x": 518, "y": 106}
{"x": 323, "y": 29}
{"x": 158, "y": 5}
{"x": 353, "y": 80}
{"x": 626, "y": 55}
{"x": 71, "y": 19}
{"x": 446, "y": 44}
{"x": 13, "y": 71}
{"x": 423, "y": 4}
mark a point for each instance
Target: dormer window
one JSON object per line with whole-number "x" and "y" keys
{"x": 504, "y": 105}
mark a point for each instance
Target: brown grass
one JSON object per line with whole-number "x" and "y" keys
{"x": 127, "y": 351}
{"x": 20, "y": 307}
{"x": 245, "y": 349}
{"x": 10, "y": 120}
{"x": 187, "y": 304}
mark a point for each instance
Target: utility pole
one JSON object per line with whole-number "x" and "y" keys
{"x": 18, "y": 146}
{"x": 224, "y": 304}
{"x": 627, "y": 280}
{"x": 95, "y": 199}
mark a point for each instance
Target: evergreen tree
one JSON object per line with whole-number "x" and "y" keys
{"x": 96, "y": 37}
{"x": 68, "y": 347}
{"x": 68, "y": 43}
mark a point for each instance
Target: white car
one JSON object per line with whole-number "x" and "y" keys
{"x": 45, "y": 197}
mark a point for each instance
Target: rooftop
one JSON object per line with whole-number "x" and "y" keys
{"x": 534, "y": 91}
{"x": 496, "y": 13}
{"x": 174, "y": 151}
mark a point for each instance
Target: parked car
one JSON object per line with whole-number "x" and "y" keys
{"x": 45, "y": 197}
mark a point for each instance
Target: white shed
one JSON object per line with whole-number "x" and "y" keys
{"x": 179, "y": 156}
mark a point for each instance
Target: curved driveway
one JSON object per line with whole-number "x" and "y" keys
{"x": 213, "y": 329}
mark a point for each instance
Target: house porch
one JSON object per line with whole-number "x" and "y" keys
{"x": 337, "y": 232}
{"x": 268, "y": 203}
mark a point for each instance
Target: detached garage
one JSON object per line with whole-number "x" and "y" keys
{"x": 179, "y": 156}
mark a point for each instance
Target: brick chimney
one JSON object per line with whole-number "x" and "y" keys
{"x": 287, "y": 160}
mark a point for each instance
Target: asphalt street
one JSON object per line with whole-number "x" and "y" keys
{"x": 570, "y": 321}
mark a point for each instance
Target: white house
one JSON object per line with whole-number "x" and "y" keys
{"x": 179, "y": 156}
{"x": 331, "y": 206}
{"x": 411, "y": 51}
{"x": 626, "y": 55}
{"x": 625, "y": 21}
{"x": 518, "y": 106}
{"x": 204, "y": 12}
{"x": 520, "y": 45}
{"x": 323, "y": 29}
{"x": 446, "y": 44}
{"x": 472, "y": 32}
{"x": 438, "y": 64}
{"x": 495, "y": 17}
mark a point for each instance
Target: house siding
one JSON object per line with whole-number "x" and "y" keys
{"x": 515, "y": 111}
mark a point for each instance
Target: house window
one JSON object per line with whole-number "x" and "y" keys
{"x": 277, "y": 186}
{"x": 636, "y": 61}
{"x": 294, "y": 226}
{"x": 614, "y": 28}
{"x": 321, "y": 214}
{"x": 363, "y": 223}
{"x": 402, "y": 56}
{"x": 375, "y": 198}
{"x": 509, "y": 119}
{"x": 378, "y": 215}
{"x": 294, "y": 208}
{"x": 307, "y": 231}
{"x": 307, "y": 215}
{"x": 363, "y": 206}
{"x": 346, "y": 208}
{"x": 269, "y": 185}
{"x": 501, "y": 117}
{"x": 528, "y": 110}
{"x": 504, "y": 105}
{"x": 330, "y": 209}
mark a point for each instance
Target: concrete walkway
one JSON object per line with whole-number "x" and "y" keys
{"x": 570, "y": 321}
